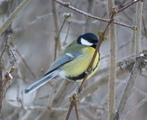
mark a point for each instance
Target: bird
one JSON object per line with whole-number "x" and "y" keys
{"x": 73, "y": 63}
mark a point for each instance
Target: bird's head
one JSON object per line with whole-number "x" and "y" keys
{"x": 88, "y": 39}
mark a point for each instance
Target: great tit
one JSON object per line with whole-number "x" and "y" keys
{"x": 73, "y": 63}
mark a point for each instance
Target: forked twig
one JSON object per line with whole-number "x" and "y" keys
{"x": 67, "y": 4}
{"x": 73, "y": 103}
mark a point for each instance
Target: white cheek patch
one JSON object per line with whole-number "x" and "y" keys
{"x": 85, "y": 42}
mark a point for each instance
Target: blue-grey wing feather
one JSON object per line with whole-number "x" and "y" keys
{"x": 65, "y": 58}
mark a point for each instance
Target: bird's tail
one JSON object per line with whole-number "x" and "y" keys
{"x": 39, "y": 83}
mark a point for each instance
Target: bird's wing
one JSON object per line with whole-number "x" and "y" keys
{"x": 65, "y": 58}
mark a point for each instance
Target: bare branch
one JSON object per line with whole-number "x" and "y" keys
{"x": 135, "y": 71}
{"x": 130, "y": 4}
{"x": 67, "y": 4}
{"x": 139, "y": 9}
{"x": 35, "y": 21}
{"x": 136, "y": 107}
{"x": 73, "y": 101}
{"x": 13, "y": 15}
{"x": 128, "y": 89}
{"x": 113, "y": 59}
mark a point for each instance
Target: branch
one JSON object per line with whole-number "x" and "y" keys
{"x": 139, "y": 8}
{"x": 130, "y": 4}
{"x": 128, "y": 89}
{"x": 73, "y": 103}
{"x": 135, "y": 70}
{"x": 25, "y": 62}
{"x": 136, "y": 39}
{"x": 13, "y": 15}
{"x": 35, "y": 21}
{"x": 97, "y": 85}
{"x": 113, "y": 58}
{"x": 143, "y": 101}
{"x": 93, "y": 58}
{"x": 144, "y": 25}
{"x": 56, "y": 25}
{"x": 58, "y": 96}
{"x": 67, "y": 4}
{"x": 87, "y": 26}
{"x": 1, "y": 89}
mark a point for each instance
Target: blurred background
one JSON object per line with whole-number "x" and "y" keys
{"x": 39, "y": 34}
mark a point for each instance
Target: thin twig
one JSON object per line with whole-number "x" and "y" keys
{"x": 97, "y": 85}
{"x": 5, "y": 46}
{"x": 13, "y": 15}
{"x": 24, "y": 61}
{"x": 88, "y": 19}
{"x": 67, "y": 4}
{"x": 73, "y": 102}
{"x": 29, "y": 24}
{"x": 136, "y": 107}
{"x": 144, "y": 25}
{"x": 61, "y": 27}
{"x": 69, "y": 110}
{"x": 140, "y": 91}
{"x": 67, "y": 33}
{"x": 58, "y": 96}
{"x": 76, "y": 110}
{"x": 1, "y": 90}
{"x": 57, "y": 38}
{"x": 128, "y": 5}
{"x": 128, "y": 89}
{"x": 89, "y": 114}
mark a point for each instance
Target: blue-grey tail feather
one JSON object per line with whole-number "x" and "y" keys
{"x": 38, "y": 83}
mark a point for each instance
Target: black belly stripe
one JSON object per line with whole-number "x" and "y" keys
{"x": 81, "y": 76}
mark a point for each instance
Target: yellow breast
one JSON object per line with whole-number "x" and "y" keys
{"x": 80, "y": 64}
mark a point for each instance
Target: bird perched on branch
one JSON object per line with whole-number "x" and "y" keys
{"x": 73, "y": 63}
